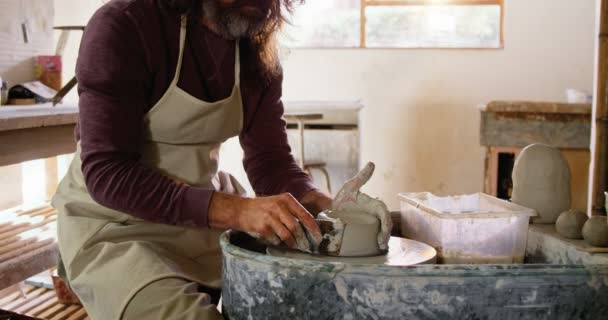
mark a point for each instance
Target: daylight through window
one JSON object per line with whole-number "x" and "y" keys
{"x": 396, "y": 24}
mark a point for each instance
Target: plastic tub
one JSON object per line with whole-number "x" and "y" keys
{"x": 467, "y": 229}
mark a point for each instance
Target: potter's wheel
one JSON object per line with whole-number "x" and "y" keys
{"x": 401, "y": 252}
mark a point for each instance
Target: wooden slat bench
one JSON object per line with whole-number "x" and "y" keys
{"x": 28, "y": 244}
{"x": 39, "y": 303}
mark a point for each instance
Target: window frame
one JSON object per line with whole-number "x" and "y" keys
{"x": 364, "y": 4}
{"x": 371, "y": 3}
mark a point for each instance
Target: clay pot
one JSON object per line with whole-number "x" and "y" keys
{"x": 541, "y": 181}
{"x": 360, "y": 233}
{"x": 595, "y": 231}
{"x": 570, "y": 224}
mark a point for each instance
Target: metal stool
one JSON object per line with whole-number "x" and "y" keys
{"x": 307, "y": 164}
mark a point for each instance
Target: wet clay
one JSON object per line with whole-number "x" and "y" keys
{"x": 541, "y": 181}
{"x": 595, "y": 231}
{"x": 570, "y": 224}
{"x": 360, "y": 237}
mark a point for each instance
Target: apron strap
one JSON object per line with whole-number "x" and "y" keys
{"x": 180, "y": 58}
{"x": 237, "y": 64}
{"x": 182, "y": 44}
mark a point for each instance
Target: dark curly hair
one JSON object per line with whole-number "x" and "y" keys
{"x": 262, "y": 47}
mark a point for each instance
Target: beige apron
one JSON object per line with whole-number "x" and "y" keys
{"x": 109, "y": 255}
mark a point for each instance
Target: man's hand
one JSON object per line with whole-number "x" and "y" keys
{"x": 349, "y": 198}
{"x": 273, "y": 219}
{"x": 377, "y": 208}
{"x": 349, "y": 191}
{"x": 316, "y": 201}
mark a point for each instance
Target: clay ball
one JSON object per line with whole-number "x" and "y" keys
{"x": 570, "y": 224}
{"x": 595, "y": 231}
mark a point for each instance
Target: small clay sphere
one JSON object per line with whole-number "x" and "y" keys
{"x": 570, "y": 224}
{"x": 595, "y": 231}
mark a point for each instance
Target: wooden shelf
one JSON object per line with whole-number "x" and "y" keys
{"x": 345, "y": 113}
{"x": 520, "y": 123}
{"x": 36, "y": 132}
{"x": 41, "y": 303}
{"x": 28, "y": 244}
{"x": 537, "y": 107}
{"x": 37, "y": 116}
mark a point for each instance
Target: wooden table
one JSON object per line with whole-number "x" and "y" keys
{"x": 36, "y": 132}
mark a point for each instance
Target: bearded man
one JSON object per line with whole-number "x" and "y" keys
{"x": 162, "y": 84}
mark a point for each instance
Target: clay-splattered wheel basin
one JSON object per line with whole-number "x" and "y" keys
{"x": 258, "y": 286}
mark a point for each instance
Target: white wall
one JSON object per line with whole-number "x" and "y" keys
{"x": 16, "y": 56}
{"x": 73, "y": 13}
{"x": 421, "y": 123}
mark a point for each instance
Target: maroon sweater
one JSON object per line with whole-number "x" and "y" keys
{"x": 127, "y": 60}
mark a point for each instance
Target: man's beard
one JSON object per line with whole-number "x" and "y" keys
{"x": 234, "y": 21}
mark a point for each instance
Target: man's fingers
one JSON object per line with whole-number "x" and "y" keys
{"x": 293, "y": 225}
{"x": 350, "y": 189}
{"x": 287, "y": 218}
{"x": 378, "y": 209}
{"x": 269, "y": 238}
{"x": 363, "y": 176}
{"x": 306, "y": 240}
{"x": 273, "y": 240}
{"x": 281, "y": 231}
{"x": 304, "y": 216}
{"x": 386, "y": 223}
{"x": 302, "y": 240}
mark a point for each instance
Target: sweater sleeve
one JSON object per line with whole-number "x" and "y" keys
{"x": 268, "y": 161}
{"x": 114, "y": 84}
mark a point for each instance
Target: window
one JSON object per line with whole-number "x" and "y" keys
{"x": 396, "y": 24}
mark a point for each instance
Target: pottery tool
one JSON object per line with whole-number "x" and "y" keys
{"x": 61, "y": 44}
{"x": 64, "y": 91}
